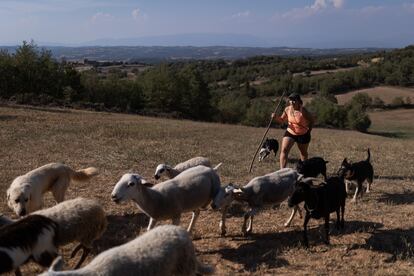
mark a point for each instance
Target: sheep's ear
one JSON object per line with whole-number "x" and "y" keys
{"x": 146, "y": 183}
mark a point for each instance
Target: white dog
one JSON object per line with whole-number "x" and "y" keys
{"x": 25, "y": 194}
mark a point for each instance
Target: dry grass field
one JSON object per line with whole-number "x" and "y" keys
{"x": 379, "y": 231}
{"x": 385, "y": 93}
{"x": 393, "y": 123}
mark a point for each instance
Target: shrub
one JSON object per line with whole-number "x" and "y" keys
{"x": 327, "y": 112}
{"x": 357, "y": 118}
{"x": 258, "y": 113}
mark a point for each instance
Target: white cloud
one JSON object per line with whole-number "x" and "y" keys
{"x": 100, "y": 16}
{"x": 369, "y": 10}
{"x": 338, "y": 3}
{"x": 318, "y": 5}
{"x": 136, "y": 13}
{"x": 241, "y": 14}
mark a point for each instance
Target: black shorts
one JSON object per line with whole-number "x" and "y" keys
{"x": 300, "y": 139}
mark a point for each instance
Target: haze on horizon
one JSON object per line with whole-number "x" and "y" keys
{"x": 265, "y": 23}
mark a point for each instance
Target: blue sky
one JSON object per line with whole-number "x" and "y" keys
{"x": 303, "y": 23}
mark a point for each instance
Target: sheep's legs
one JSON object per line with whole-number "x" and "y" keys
{"x": 295, "y": 208}
{"x": 85, "y": 253}
{"x": 151, "y": 224}
{"x": 196, "y": 213}
{"x": 250, "y": 227}
{"x": 248, "y": 215}
{"x": 223, "y": 222}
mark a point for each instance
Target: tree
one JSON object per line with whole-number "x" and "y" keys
{"x": 361, "y": 99}
{"x": 357, "y": 118}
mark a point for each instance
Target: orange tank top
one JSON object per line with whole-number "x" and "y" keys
{"x": 297, "y": 124}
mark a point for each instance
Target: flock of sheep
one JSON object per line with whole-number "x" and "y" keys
{"x": 167, "y": 249}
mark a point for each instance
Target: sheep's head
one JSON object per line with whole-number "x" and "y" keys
{"x": 18, "y": 199}
{"x": 160, "y": 170}
{"x": 126, "y": 187}
{"x": 225, "y": 196}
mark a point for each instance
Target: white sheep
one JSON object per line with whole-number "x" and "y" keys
{"x": 165, "y": 250}
{"x": 179, "y": 168}
{"x": 80, "y": 219}
{"x": 189, "y": 191}
{"x": 272, "y": 188}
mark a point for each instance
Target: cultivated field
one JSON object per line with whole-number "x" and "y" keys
{"x": 379, "y": 234}
{"x": 385, "y": 93}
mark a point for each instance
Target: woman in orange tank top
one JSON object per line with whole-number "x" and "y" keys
{"x": 300, "y": 123}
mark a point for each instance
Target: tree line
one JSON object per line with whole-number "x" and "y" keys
{"x": 241, "y": 91}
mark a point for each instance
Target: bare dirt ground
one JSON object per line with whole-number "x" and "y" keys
{"x": 385, "y": 93}
{"x": 379, "y": 234}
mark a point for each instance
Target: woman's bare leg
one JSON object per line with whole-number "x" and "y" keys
{"x": 303, "y": 148}
{"x": 287, "y": 144}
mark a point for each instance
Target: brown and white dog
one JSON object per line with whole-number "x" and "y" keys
{"x": 25, "y": 194}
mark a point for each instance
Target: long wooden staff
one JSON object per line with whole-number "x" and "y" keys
{"x": 267, "y": 130}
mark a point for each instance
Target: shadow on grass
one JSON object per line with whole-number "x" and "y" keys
{"x": 264, "y": 249}
{"x": 388, "y": 134}
{"x": 394, "y": 177}
{"x": 57, "y": 109}
{"x": 397, "y": 242}
{"x": 397, "y": 198}
{"x": 7, "y": 117}
{"x": 120, "y": 230}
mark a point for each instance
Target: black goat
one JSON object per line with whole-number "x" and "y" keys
{"x": 312, "y": 167}
{"x": 320, "y": 201}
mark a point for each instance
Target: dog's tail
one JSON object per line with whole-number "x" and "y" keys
{"x": 369, "y": 156}
{"x": 85, "y": 174}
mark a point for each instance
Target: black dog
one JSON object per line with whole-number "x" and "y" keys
{"x": 358, "y": 172}
{"x": 312, "y": 167}
{"x": 320, "y": 201}
{"x": 268, "y": 146}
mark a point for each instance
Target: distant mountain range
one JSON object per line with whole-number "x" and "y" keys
{"x": 170, "y": 53}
